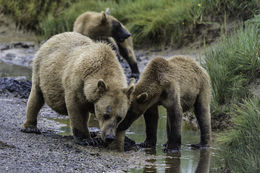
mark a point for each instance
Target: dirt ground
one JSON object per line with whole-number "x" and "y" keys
{"x": 49, "y": 152}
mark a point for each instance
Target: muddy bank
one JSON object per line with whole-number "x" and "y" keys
{"x": 49, "y": 152}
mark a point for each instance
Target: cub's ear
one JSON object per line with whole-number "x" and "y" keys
{"x": 128, "y": 91}
{"x": 141, "y": 98}
{"x": 107, "y": 11}
{"x": 104, "y": 17}
{"x": 102, "y": 87}
{"x": 132, "y": 81}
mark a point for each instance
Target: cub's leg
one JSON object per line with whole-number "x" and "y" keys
{"x": 34, "y": 104}
{"x": 202, "y": 112}
{"x": 151, "y": 123}
{"x": 174, "y": 124}
{"x": 129, "y": 56}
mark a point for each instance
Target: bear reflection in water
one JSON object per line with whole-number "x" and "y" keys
{"x": 173, "y": 162}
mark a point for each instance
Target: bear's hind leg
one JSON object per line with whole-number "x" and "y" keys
{"x": 202, "y": 112}
{"x": 35, "y": 102}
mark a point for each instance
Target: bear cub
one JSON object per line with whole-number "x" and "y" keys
{"x": 178, "y": 84}
{"x": 103, "y": 26}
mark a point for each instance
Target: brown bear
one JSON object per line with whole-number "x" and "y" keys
{"x": 102, "y": 26}
{"x": 76, "y": 76}
{"x": 178, "y": 84}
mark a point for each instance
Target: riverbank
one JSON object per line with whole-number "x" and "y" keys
{"x": 48, "y": 152}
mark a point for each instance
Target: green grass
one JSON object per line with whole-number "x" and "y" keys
{"x": 232, "y": 64}
{"x": 241, "y": 149}
{"x": 29, "y": 13}
{"x": 64, "y": 22}
{"x": 151, "y": 22}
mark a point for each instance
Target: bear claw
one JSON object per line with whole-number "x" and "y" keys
{"x": 199, "y": 146}
{"x": 168, "y": 150}
{"x": 146, "y": 145}
{"x": 30, "y": 130}
{"x": 90, "y": 142}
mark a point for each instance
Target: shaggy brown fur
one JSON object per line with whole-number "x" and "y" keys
{"x": 102, "y": 26}
{"x": 178, "y": 84}
{"x": 75, "y": 76}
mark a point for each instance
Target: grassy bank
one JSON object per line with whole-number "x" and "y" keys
{"x": 152, "y": 22}
{"x": 232, "y": 65}
{"x": 29, "y": 13}
{"x": 241, "y": 149}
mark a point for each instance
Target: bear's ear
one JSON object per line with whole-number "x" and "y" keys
{"x": 107, "y": 11}
{"x": 141, "y": 98}
{"x": 102, "y": 87}
{"x": 128, "y": 91}
{"x": 132, "y": 81}
{"x": 104, "y": 17}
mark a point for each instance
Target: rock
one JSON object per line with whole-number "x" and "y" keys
{"x": 17, "y": 87}
{"x": 18, "y": 53}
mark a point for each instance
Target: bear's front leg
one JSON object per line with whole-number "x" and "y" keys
{"x": 118, "y": 142}
{"x": 79, "y": 116}
{"x": 151, "y": 117}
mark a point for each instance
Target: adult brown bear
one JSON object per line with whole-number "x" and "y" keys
{"x": 178, "y": 84}
{"x": 75, "y": 76}
{"x": 102, "y": 26}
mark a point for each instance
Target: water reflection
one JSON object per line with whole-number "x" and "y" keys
{"x": 187, "y": 161}
{"x": 172, "y": 163}
{"x": 7, "y": 70}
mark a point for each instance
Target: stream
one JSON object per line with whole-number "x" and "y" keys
{"x": 187, "y": 161}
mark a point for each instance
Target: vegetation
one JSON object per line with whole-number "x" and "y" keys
{"x": 29, "y": 13}
{"x": 152, "y": 22}
{"x": 232, "y": 65}
{"x": 241, "y": 150}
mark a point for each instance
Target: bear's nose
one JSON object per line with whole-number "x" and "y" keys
{"x": 127, "y": 35}
{"x": 110, "y": 138}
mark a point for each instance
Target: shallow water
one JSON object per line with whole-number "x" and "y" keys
{"x": 7, "y": 70}
{"x": 187, "y": 161}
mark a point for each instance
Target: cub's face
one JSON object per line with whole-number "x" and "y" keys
{"x": 111, "y": 27}
{"x": 139, "y": 103}
{"x": 119, "y": 33}
{"x": 110, "y": 110}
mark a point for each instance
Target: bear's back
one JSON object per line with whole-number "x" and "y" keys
{"x": 186, "y": 67}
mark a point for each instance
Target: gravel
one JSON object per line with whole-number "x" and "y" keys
{"x": 50, "y": 152}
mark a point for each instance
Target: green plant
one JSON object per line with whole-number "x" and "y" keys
{"x": 241, "y": 149}
{"x": 232, "y": 64}
{"x": 29, "y": 13}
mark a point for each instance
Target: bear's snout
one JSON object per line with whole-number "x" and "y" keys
{"x": 109, "y": 138}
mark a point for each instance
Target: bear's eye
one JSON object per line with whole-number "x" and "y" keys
{"x": 118, "y": 119}
{"x": 106, "y": 116}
